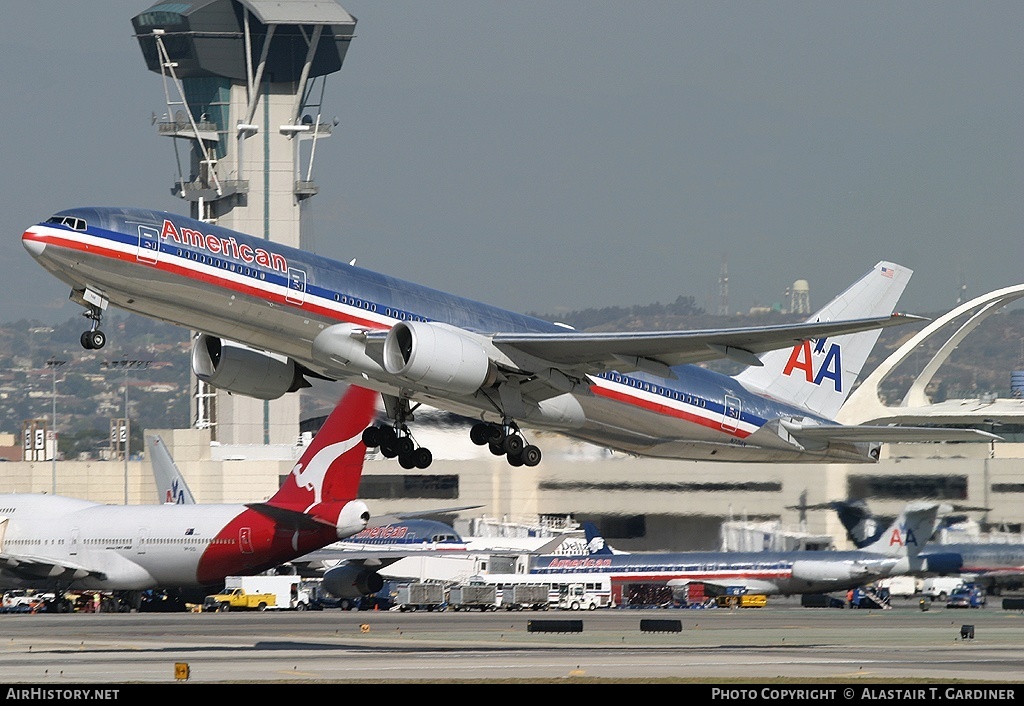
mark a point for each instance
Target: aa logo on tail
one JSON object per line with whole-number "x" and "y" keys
{"x": 902, "y": 537}
{"x": 830, "y": 368}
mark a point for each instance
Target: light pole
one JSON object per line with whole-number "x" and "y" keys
{"x": 126, "y": 365}
{"x": 53, "y": 364}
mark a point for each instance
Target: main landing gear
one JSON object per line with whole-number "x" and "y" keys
{"x": 505, "y": 440}
{"x": 397, "y": 441}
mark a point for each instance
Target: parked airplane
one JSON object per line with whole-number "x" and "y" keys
{"x": 58, "y": 543}
{"x": 271, "y": 316}
{"x": 996, "y": 565}
{"x": 897, "y": 551}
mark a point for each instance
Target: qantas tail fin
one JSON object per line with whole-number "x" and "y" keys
{"x": 332, "y": 465}
{"x": 170, "y": 484}
{"x": 819, "y": 375}
{"x": 909, "y": 532}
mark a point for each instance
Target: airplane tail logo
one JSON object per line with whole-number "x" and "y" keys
{"x": 818, "y": 375}
{"x": 331, "y": 467}
{"x": 909, "y": 532}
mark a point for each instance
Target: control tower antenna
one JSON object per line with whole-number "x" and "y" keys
{"x": 244, "y": 85}
{"x": 723, "y": 289}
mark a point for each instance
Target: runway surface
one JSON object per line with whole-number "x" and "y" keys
{"x": 781, "y": 643}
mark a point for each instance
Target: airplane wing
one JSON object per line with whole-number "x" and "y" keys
{"x": 29, "y": 566}
{"x": 578, "y": 353}
{"x": 597, "y": 352}
{"x": 824, "y": 433}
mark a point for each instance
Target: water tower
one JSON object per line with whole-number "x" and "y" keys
{"x": 244, "y": 81}
{"x": 800, "y": 297}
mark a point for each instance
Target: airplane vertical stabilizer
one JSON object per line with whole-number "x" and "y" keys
{"x": 331, "y": 466}
{"x": 819, "y": 375}
{"x": 909, "y": 532}
{"x": 170, "y": 484}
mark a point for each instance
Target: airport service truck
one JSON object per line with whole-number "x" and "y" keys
{"x": 259, "y": 593}
{"x": 473, "y": 596}
{"x": 575, "y": 596}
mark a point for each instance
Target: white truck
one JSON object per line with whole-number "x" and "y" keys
{"x": 289, "y": 592}
{"x": 938, "y": 588}
{"x": 575, "y": 596}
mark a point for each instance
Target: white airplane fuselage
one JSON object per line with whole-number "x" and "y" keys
{"x": 302, "y": 306}
{"x": 137, "y": 547}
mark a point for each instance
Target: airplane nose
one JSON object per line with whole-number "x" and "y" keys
{"x": 35, "y": 247}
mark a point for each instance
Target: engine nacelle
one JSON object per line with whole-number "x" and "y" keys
{"x": 237, "y": 368}
{"x": 825, "y": 571}
{"x": 352, "y": 519}
{"x": 438, "y": 356}
{"x": 351, "y": 581}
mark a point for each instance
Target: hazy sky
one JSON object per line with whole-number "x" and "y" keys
{"x": 551, "y": 156}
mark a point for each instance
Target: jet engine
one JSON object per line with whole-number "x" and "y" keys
{"x": 438, "y": 356}
{"x": 349, "y": 581}
{"x": 237, "y": 368}
{"x": 817, "y": 571}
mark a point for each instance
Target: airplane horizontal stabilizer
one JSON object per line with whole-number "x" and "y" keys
{"x": 297, "y": 518}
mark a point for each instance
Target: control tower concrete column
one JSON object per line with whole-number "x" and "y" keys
{"x": 244, "y": 83}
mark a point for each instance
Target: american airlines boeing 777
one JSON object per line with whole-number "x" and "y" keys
{"x": 272, "y": 316}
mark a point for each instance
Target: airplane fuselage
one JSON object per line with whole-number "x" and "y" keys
{"x": 770, "y": 573}
{"x": 59, "y": 543}
{"x": 300, "y": 305}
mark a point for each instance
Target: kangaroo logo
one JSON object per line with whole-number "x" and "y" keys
{"x": 315, "y": 472}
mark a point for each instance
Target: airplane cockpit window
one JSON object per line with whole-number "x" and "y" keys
{"x": 69, "y": 221}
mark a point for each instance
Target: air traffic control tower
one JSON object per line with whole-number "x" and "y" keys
{"x": 244, "y": 81}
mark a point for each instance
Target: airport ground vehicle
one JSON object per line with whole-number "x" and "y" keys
{"x": 939, "y": 587}
{"x": 968, "y": 595}
{"x": 575, "y": 596}
{"x": 419, "y": 596}
{"x": 473, "y": 596}
{"x": 742, "y": 600}
{"x": 901, "y": 586}
{"x": 260, "y": 593}
{"x": 526, "y": 596}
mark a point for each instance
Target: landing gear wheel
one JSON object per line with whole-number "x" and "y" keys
{"x": 371, "y": 437}
{"x": 422, "y": 457}
{"x": 530, "y": 455}
{"x": 388, "y": 448}
{"x": 480, "y": 433}
{"x": 515, "y": 460}
{"x": 496, "y": 449}
{"x": 406, "y": 446}
{"x": 407, "y": 461}
{"x": 513, "y": 444}
{"x": 94, "y": 340}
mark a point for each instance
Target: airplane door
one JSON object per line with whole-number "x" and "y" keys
{"x": 732, "y": 413}
{"x": 149, "y": 244}
{"x": 245, "y": 540}
{"x": 73, "y": 541}
{"x": 296, "y": 286}
{"x": 143, "y": 540}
